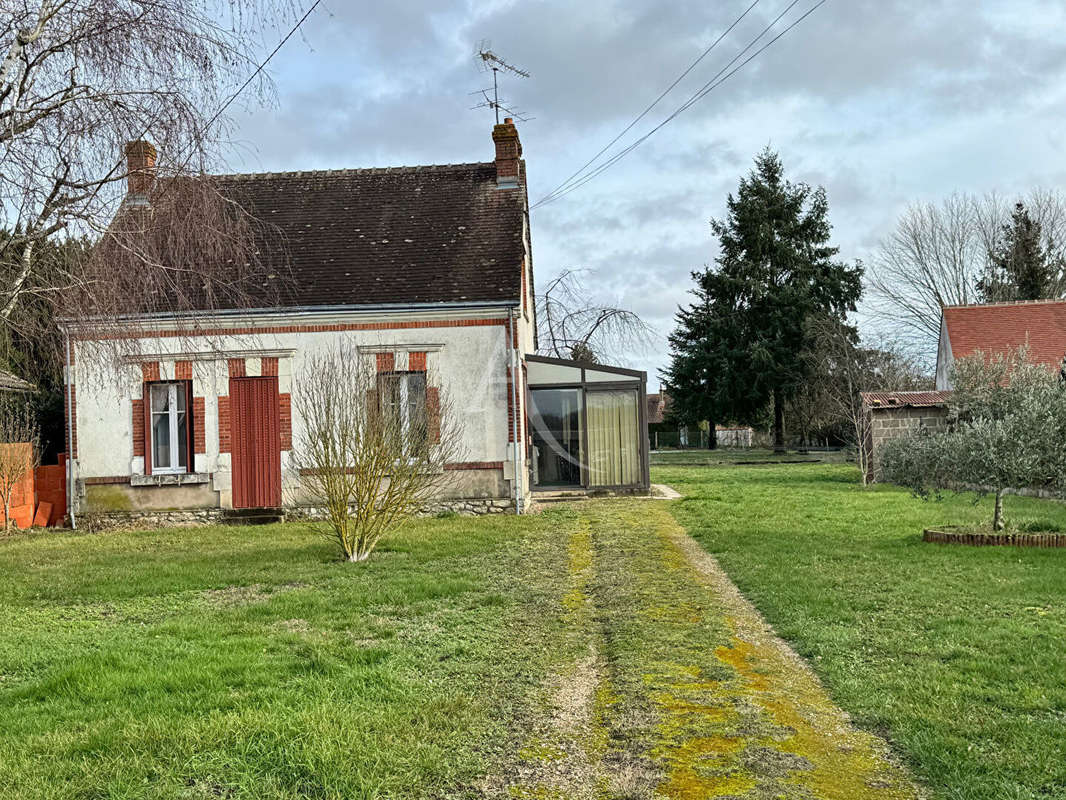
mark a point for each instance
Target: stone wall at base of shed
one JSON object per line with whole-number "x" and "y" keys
{"x": 887, "y": 423}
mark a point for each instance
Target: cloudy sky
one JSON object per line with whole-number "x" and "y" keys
{"x": 883, "y": 102}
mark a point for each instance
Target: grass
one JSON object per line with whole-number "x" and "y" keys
{"x": 578, "y": 654}
{"x": 737, "y": 456}
{"x": 228, "y": 662}
{"x": 954, "y": 653}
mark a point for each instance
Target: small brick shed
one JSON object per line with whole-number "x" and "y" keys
{"x": 895, "y": 414}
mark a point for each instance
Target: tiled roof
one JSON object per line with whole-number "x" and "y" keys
{"x": 429, "y": 234}
{"x": 9, "y": 383}
{"x": 905, "y": 399}
{"x": 656, "y": 407}
{"x": 1000, "y": 327}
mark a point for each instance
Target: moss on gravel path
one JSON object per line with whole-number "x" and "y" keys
{"x": 676, "y": 688}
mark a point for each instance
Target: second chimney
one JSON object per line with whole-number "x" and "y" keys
{"x": 140, "y": 166}
{"x": 508, "y": 154}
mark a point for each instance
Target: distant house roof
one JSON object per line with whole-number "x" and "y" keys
{"x": 9, "y": 383}
{"x": 1000, "y": 327}
{"x": 905, "y": 399}
{"x": 397, "y": 235}
{"x": 656, "y": 408}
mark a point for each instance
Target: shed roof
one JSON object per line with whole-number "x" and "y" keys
{"x": 905, "y": 399}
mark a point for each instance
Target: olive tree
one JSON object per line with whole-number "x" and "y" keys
{"x": 372, "y": 447}
{"x": 19, "y": 450}
{"x": 1007, "y": 427}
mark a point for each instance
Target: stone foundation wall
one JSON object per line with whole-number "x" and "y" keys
{"x": 148, "y": 519}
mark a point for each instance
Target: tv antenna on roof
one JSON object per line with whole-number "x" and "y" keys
{"x": 490, "y": 61}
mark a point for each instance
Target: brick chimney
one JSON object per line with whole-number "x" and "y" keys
{"x": 140, "y": 164}
{"x": 508, "y": 154}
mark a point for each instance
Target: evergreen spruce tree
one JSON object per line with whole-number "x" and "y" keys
{"x": 747, "y": 336}
{"x": 1020, "y": 267}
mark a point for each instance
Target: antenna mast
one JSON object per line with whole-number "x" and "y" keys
{"x": 490, "y": 61}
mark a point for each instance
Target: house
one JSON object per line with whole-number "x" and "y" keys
{"x": 1000, "y": 328}
{"x": 427, "y": 271}
{"x": 664, "y": 433}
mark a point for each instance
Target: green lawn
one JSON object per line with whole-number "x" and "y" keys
{"x": 248, "y": 662}
{"x": 957, "y": 655}
{"x": 739, "y": 456}
{"x": 575, "y": 655}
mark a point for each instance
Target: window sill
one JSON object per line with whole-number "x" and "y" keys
{"x": 171, "y": 479}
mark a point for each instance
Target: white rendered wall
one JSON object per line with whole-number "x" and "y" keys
{"x": 467, "y": 363}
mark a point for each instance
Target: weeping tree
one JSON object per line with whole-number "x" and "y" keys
{"x": 573, "y": 326}
{"x": 372, "y": 447}
{"x": 1008, "y": 425}
{"x": 79, "y": 79}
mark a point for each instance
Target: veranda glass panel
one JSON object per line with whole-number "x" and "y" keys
{"x": 558, "y": 441}
{"x": 614, "y": 438}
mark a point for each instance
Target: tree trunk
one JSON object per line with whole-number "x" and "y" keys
{"x": 779, "y": 422}
{"x": 712, "y": 435}
{"x": 997, "y": 519}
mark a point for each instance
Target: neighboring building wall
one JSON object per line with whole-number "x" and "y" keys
{"x": 468, "y": 358}
{"x": 944, "y": 359}
{"x": 893, "y": 423}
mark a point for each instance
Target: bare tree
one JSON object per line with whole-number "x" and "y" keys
{"x": 572, "y": 326}
{"x": 846, "y": 369}
{"x": 372, "y": 449}
{"x": 937, "y": 253}
{"x": 19, "y": 450}
{"x": 78, "y": 80}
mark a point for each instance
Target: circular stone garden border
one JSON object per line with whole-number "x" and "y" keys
{"x": 942, "y": 536}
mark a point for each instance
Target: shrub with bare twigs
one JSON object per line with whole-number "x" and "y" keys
{"x": 371, "y": 448}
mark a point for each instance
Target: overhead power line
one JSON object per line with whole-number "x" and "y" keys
{"x": 720, "y": 77}
{"x": 655, "y": 102}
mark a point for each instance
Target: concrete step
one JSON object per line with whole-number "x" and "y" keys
{"x": 253, "y": 516}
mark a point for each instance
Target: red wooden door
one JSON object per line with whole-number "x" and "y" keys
{"x": 255, "y": 422}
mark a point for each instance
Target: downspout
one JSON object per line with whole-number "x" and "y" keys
{"x": 514, "y": 417}
{"x": 70, "y": 438}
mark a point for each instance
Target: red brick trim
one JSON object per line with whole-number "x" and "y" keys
{"x": 236, "y": 368}
{"x": 150, "y": 371}
{"x": 183, "y": 370}
{"x": 334, "y": 328}
{"x": 268, "y": 366}
{"x": 386, "y": 362}
{"x": 285, "y": 406}
{"x": 138, "y": 427}
{"x": 223, "y": 425}
{"x": 416, "y": 362}
{"x": 199, "y": 435}
{"x": 454, "y": 466}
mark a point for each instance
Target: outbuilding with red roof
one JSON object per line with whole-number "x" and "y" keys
{"x": 999, "y": 328}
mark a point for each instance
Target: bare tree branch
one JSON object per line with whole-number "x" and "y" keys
{"x": 572, "y": 326}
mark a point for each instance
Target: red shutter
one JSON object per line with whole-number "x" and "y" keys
{"x": 433, "y": 413}
{"x": 147, "y": 402}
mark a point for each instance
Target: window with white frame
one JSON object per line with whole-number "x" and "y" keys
{"x": 169, "y": 427}
{"x": 402, "y": 396}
